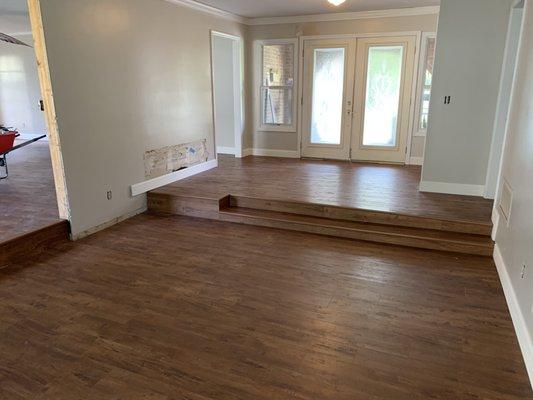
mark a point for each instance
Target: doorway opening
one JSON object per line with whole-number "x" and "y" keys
{"x": 226, "y": 64}
{"x": 356, "y": 94}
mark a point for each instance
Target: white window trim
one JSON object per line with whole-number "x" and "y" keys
{"x": 258, "y": 72}
{"x": 417, "y": 132}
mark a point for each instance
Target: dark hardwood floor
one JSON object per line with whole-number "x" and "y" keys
{"x": 27, "y": 198}
{"x": 387, "y": 188}
{"x": 166, "y": 307}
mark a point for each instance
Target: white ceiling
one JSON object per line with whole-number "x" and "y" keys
{"x": 283, "y": 8}
{"x": 14, "y": 17}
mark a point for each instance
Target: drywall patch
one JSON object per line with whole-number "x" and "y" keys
{"x": 173, "y": 158}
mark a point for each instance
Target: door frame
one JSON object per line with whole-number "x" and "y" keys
{"x": 301, "y": 43}
{"x": 238, "y": 89}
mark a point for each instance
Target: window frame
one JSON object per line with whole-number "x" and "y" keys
{"x": 258, "y": 89}
{"x": 421, "y": 79}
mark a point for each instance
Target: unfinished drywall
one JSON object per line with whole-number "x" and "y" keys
{"x": 19, "y": 88}
{"x": 128, "y": 76}
{"x": 514, "y": 240}
{"x": 470, "y": 46}
{"x": 289, "y": 140}
{"x": 223, "y": 76}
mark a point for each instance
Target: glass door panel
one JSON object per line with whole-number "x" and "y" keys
{"x": 383, "y": 89}
{"x": 327, "y": 98}
{"x": 328, "y": 79}
{"x": 382, "y": 100}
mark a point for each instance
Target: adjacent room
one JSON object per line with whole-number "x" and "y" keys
{"x": 266, "y": 199}
{"x": 27, "y": 192}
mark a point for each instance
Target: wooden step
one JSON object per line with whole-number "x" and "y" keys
{"x": 398, "y": 235}
{"x": 31, "y": 244}
{"x": 361, "y": 215}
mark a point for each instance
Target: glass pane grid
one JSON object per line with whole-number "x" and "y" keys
{"x": 276, "y": 106}
{"x": 382, "y": 98}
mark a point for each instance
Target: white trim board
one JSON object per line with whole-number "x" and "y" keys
{"x": 452, "y": 188}
{"x": 271, "y": 153}
{"x": 524, "y": 337}
{"x": 225, "y": 150}
{"x": 398, "y": 12}
{"x": 343, "y": 16}
{"x": 146, "y": 186}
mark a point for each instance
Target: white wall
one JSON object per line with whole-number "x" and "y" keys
{"x": 504, "y": 97}
{"x": 515, "y": 242}
{"x": 19, "y": 88}
{"x": 470, "y": 46}
{"x": 128, "y": 76}
{"x": 224, "y": 92}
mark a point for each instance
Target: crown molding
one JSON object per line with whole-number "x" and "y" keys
{"x": 209, "y": 10}
{"x": 400, "y": 12}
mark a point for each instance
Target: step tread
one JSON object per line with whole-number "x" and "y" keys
{"x": 363, "y": 215}
{"x": 420, "y": 233}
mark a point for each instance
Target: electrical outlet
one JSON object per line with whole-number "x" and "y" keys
{"x": 524, "y": 268}
{"x": 109, "y": 195}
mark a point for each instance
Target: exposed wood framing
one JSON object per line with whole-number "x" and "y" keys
{"x": 34, "y": 7}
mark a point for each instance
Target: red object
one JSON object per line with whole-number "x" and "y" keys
{"x": 6, "y": 141}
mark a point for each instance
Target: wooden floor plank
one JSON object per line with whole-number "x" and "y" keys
{"x": 27, "y": 198}
{"x": 166, "y": 307}
{"x": 388, "y": 188}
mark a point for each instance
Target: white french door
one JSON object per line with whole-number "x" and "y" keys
{"x": 328, "y": 98}
{"x": 383, "y": 86}
{"x": 356, "y": 98}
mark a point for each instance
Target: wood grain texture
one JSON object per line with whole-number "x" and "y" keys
{"x": 29, "y": 245}
{"x": 389, "y": 234}
{"x": 375, "y": 187}
{"x": 181, "y": 308}
{"x": 27, "y": 198}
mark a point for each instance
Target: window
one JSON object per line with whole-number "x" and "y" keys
{"x": 277, "y": 88}
{"x": 425, "y": 83}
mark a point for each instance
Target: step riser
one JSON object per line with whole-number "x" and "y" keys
{"x": 188, "y": 206}
{"x": 32, "y": 244}
{"x": 357, "y": 215}
{"x": 420, "y": 243}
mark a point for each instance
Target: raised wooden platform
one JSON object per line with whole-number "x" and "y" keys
{"x": 378, "y": 203}
{"x": 374, "y": 226}
{"x": 30, "y": 244}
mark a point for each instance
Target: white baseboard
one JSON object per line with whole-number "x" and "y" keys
{"x": 452, "y": 188}
{"x": 143, "y": 187}
{"x": 519, "y": 322}
{"x": 225, "y": 150}
{"x": 416, "y": 161}
{"x": 271, "y": 153}
{"x": 107, "y": 224}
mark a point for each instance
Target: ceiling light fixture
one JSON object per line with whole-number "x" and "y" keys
{"x": 336, "y": 2}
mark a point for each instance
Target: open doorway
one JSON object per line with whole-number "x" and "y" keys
{"x": 30, "y": 214}
{"x": 227, "y": 92}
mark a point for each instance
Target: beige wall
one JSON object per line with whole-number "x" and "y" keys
{"x": 515, "y": 241}
{"x": 128, "y": 76}
{"x": 289, "y": 140}
{"x": 468, "y": 63}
